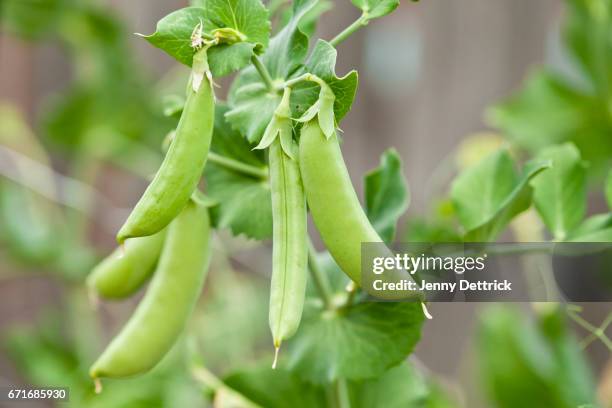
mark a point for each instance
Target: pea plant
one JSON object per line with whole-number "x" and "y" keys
{"x": 257, "y": 165}
{"x": 283, "y": 113}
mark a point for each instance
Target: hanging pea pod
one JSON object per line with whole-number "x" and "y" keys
{"x": 332, "y": 200}
{"x": 163, "y": 312}
{"x": 290, "y": 251}
{"x": 182, "y": 167}
{"x": 125, "y": 270}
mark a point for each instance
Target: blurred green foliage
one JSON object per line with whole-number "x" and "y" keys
{"x": 552, "y": 108}
{"x": 538, "y": 363}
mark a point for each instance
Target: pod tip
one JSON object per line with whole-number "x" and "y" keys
{"x": 425, "y": 311}
{"x": 276, "y": 350}
{"x": 97, "y": 385}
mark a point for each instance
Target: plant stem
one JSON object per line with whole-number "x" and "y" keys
{"x": 362, "y": 21}
{"x": 263, "y": 72}
{"x": 598, "y": 332}
{"x": 303, "y": 77}
{"x": 319, "y": 277}
{"x": 235, "y": 165}
{"x": 342, "y": 395}
{"x": 594, "y": 336}
{"x": 209, "y": 380}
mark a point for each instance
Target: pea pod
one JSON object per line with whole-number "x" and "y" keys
{"x": 332, "y": 200}
{"x": 182, "y": 167}
{"x": 289, "y": 252}
{"x": 125, "y": 270}
{"x": 162, "y": 314}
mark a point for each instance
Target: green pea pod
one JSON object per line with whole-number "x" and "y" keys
{"x": 182, "y": 167}
{"x": 125, "y": 270}
{"x": 290, "y": 250}
{"x": 162, "y": 314}
{"x": 332, "y": 200}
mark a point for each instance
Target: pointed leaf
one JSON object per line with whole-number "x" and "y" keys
{"x": 272, "y": 131}
{"x": 386, "y": 194}
{"x": 560, "y": 193}
{"x": 517, "y": 201}
{"x": 248, "y": 17}
{"x": 479, "y": 191}
{"x": 488, "y": 195}
{"x": 597, "y": 228}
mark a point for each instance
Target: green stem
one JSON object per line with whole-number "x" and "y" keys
{"x": 342, "y": 394}
{"x": 362, "y": 21}
{"x": 235, "y": 165}
{"x": 263, "y": 72}
{"x": 209, "y": 380}
{"x": 595, "y": 331}
{"x": 304, "y": 77}
{"x": 318, "y": 276}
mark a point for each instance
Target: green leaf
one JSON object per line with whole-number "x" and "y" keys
{"x": 248, "y": 17}
{"x": 488, "y": 195}
{"x": 386, "y": 193}
{"x": 479, "y": 191}
{"x": 402, "y": 386}
{"x": 517, "y": 201}
{"x": 548, "y": 111}
{"x": 288, "y": 389}
{"x": 252, "y": 104}
{"x": 523, "y": 362}
{"x": 545, "y": 111}
{"x": 308, "y": 25}
{"x": 322, "y": 63}
{"x": 609, "y": 189}
{"x": 225, "y": 59}
{"x": 597, "y": 228}
{"x": 355, "y": 343}
{"x": 424, "y": 230}
{"x": 587, "y": 34}
{"x": 245, "y": 204}
{"x": 574, "y": 376}
{"x": 289, "y": 47}
{"x": 560, "y": 193}
{"x": 375, "y": 8}
{"x": 173, "y": 33}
